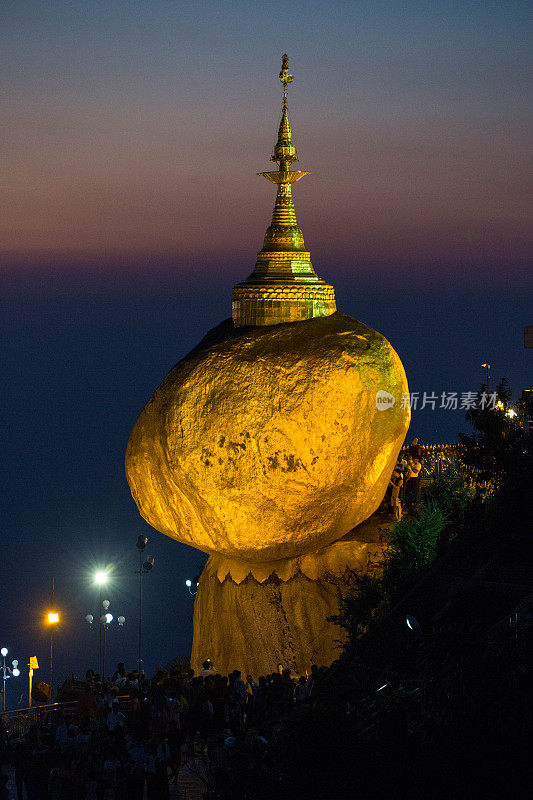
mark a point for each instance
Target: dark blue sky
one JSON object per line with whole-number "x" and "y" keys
{"x": 81, "y": 357}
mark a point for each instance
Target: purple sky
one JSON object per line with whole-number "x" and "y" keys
{"x": 136, "y": 129}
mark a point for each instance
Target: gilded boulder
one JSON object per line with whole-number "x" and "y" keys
{"x": 271, "y": 442}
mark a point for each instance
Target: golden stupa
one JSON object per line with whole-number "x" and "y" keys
{"x": 283, "y": 286}
{"x": 267, "y": 447}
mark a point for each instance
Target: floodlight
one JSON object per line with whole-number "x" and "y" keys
{"x": 101, "y": 577}
{"x": 121, "y": 620}
{"x": 16, "y": 672}
{"x": 4, "y": 651}
{"x": 413, "y": 624}
{"x": 141, "y": 543}
{"x": 105, "y": 604}
{"x": 15, "y": 663}
{"x": 148, "y": 564}
{"x": 89, "y": 618}
{"x": 53, "y": 617}
{"x": 109, "y": 618}
{"x": 188, "y": 583}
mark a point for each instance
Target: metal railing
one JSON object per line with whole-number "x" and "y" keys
{"x": 436, "y": 458}
{"x": 19, "y": 720}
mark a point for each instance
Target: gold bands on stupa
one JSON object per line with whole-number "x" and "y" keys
{"x": 283, "y": 286}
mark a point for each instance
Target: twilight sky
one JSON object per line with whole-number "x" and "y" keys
{"x": 132, "y": 135}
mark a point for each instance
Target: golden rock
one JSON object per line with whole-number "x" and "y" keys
{"x": 269, "y": 443}
{"x": 255, "y": 626}
{"x": 245, "y": 621}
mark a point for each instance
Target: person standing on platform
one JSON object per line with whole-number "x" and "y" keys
{"x": 396, "y": 483}
{"x": 413, "y": 483}
{"x": 415, "y": 450}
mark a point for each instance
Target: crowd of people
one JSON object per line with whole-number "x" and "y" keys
{"x": 404, "y": 485}
{"x": 128, "y": 734}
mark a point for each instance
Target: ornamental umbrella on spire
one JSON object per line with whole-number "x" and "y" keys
{"x": 283, "y": 286}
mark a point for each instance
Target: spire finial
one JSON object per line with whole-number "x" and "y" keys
{"x": 285, "y": 76}
{"x": 284, "y": 150}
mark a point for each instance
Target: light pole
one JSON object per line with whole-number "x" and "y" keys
{"x": 104, "y": 622}
{"x": 7, "y": 672}
{"x": 100, "y": 578}
{"x": 144, "y": 567}
{"x": 488, "y": 376}
{"x": 34, "y": 664}
{"x": 53, "y": 619}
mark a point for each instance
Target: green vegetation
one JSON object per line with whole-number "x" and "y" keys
{"x": 444, "y": 711}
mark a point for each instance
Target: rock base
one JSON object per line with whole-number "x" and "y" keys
{"x": 255, "y": 626}
{"x": 253, "y": 617}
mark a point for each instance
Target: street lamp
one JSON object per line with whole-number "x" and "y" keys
{"x": 145, "y": 566}
{"x": 189, "y": 583}
{"x": 487, "y": 366}
{"x": 53, "y": 619}
{"x": 104, "y": 623}
{"x": 7, "y": 672}
{"x": 100, "y": 578}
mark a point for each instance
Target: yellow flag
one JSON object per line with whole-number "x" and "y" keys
{"x": 34, "y": 664}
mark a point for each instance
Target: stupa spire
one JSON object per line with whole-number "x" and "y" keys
{"x": 283, "y": 286}
{"x": 284, "y": 150}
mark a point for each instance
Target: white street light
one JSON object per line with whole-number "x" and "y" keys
{"x": 105, "y": 621}
{"x": 100, "y": 578}
{"x": 7, "y": 672}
